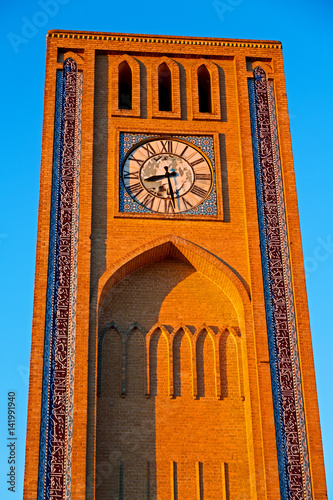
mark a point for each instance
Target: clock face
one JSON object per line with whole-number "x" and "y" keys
{"x": 167, "y": 175}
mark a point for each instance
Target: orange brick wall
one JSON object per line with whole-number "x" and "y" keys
{"x": 171, "y": 271}
{"x": 195, "y": 413}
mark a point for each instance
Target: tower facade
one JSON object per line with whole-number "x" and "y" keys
{"x": 171, "y": 349}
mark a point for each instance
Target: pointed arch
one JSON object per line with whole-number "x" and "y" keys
{"x": 110, "y": 326}
{"x": 182, "y": 361}
{"x": 154, "y": 358}
{"x": 125, "y": 96}
{"x": 78, "y": 58}
{"x": 206, "y": 98}
{"x": 230, "y": 360}
{"x": 204, "y": 89}
{"x": 214, "y": 268}
{"x": 165, "y": 88}
{"x": 135, "y": 361}
{"x": 209, "y": 331}
{"x": 124, "y": 86}
{"x": 205, "y": 362}
{"x": 155, "y": 328}
{"x": 186, "y": 330}
{"x": 175, "y": 247}
{"x": 132, "y": 327}
{"x": 235, "y": 332}
{"x": 253, "y": 63}
{"x": 209, "y": 265}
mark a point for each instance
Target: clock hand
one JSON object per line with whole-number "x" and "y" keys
{"x": 167, "y": 174}
{"x": 159, "y": 177}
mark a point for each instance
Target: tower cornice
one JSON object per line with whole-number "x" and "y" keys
{"x": 181, "y": 40}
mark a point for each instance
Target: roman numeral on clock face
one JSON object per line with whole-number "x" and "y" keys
{"x": 149, "y": 149}
{"x": 186, "y": 203}
{"x": 131, "y": 175}
{"x": 148, "y": 201}
{"x": 136, "y": 189}
{"x": 168, "y": 207}
{"x": 196, "y": 162}
{"x": 203, "y": 177}
{"x": 198, "y": 191}
{"x": 166, "y": 147}
{"x": 184, "y": 150}
{"x": 140, "y": 162}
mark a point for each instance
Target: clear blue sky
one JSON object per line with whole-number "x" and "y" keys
{"x": 305, "y": 29}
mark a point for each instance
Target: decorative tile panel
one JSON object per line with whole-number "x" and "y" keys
{"x": 55, "y": 458}
{"x": 205, "y": 143}
{"x": 292, "y": 449}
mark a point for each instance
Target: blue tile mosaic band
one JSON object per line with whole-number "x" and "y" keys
{"x": 54, "y": 479}
{"x": 292, "y": 449}
{"x": 205, "y": 143}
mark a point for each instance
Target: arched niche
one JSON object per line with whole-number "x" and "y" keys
{"x": 215, "y": 269}
{"x": 205, "y": 364}
{"x": 166, "y": 84}
{"x": 206, "y": 98}
{"x": 252, "y": 64}
{"x": 204, "y": 89}
{"x": 127, "y": 276}
{"x": 125, "y": 86}
{"x": 78, "y": 58}
{"x": 164, "y": 88}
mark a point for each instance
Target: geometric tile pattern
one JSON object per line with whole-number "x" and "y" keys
{"x": 54, "y": 478}
{"x": 291, "y": 440}
{"x": 205, "y": 143}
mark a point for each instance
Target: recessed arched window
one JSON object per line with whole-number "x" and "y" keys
{"x": 204, "y": 88}
{"x": 124, "y": 86}
{"x": 164, "y": 88}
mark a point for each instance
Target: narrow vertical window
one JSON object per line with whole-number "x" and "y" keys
{"x": 121, "y": 481}
{"x": 204, "y": 87}
{"x": 164, "y": 88}
{"x": 124, "y": 86}
{"x": 200, "y": 483}
{"x": 174, "y": 481}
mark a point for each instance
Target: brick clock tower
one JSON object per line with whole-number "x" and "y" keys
{"x": 171, "y": 349}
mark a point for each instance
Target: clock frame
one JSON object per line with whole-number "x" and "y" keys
{"x": 198, "y": 198}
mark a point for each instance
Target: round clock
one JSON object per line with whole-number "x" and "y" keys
{"x": 167, "y": 175}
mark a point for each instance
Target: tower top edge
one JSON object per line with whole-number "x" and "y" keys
{"x": 150, "y": 38}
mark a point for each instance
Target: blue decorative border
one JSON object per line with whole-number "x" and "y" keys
{"x": 271, "y": 333}
{"x": 295, "y": 480}
{"x": 75, "y": 251}
{"x": 290, "y": 300}
{"x": 54, "y": 478}
{"x": 126, "y": 202}
{"x": 57, "y": 147}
